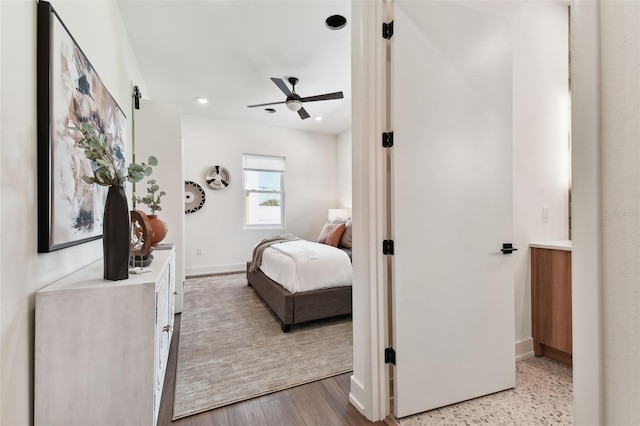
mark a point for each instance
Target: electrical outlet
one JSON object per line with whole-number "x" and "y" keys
{"x": 545, "y": 214}
{"x": 199, "y": 252}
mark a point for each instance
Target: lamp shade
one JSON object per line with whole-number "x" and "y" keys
{"x": 339, "y": 213}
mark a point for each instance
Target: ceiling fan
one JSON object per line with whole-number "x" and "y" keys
{"x": 294, "y": 101}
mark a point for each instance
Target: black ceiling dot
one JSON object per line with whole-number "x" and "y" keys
{"x": 336, "y": 22}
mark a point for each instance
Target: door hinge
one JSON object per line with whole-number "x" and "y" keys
{"x": 387, "y": 139}
{"x": 136, "y": 97}
{"x": 390, "y": 356}
{"x": 387, "y": 30}
{"x": 508, "y": 248}
{"x": 387, "y": 247}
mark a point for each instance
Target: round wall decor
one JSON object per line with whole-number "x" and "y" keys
{"x": 218, "y": 177}
{"x": 193, "y": 197}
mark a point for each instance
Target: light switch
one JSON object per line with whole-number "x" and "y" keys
{"x": 545, "y": 214}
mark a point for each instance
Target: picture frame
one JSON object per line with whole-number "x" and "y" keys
{"x": 69, "y": 93}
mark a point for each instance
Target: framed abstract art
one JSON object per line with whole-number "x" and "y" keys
{"x": 70, "y": 92}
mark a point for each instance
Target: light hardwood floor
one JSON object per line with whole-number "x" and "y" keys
{"x": 325, "y": 402}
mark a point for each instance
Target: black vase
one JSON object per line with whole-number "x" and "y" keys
{"x": 116, "y": 235}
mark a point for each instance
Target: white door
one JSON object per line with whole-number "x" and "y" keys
{"x": 453, "y": 300}
{"x": 158, "y": 131}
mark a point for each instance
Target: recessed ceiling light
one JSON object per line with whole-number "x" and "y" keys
{"x": 336, "y": 22}
{"x": 202, "y": 101}
{"x": 317, "y": 118}
{"x": 270, "y": 110}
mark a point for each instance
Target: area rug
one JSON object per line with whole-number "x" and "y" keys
{"x": 231, "y": 347}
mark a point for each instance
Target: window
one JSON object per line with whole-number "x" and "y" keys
{"x": 263, "y": 181}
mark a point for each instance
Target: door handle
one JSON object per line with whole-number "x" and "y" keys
{"x": 507, "y": 248}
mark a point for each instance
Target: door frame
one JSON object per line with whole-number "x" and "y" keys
{"x": 370, "y": 388}
{"x": 370, "y": 391}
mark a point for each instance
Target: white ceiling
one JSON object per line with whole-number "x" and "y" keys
{"x": 226, "y": 51}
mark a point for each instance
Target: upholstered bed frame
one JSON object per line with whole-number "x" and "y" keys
{"x": 295, "y": 308}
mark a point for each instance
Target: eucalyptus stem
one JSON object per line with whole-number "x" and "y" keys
{"x": 100, "y": 153}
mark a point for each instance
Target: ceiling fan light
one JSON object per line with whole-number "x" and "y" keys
{"x": 294, "y": 105}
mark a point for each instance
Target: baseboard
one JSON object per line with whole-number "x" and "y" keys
{"x": 217, "y": 269}
{"x": 524, "y": 349}
{"x": 356, "y": 395}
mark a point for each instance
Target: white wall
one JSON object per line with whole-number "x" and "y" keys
{"x": 588, "y": 370}
{"x": 98, "y": 29}
{"x": 217, "y": 228}
{"x": 540, "y": 138}
{"x": 606, "y": 227}
{"x": 165, "y": 143}
{"x": 344, "y": 169}
{"x": 620, "y": 162}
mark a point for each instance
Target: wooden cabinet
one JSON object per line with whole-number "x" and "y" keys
{"x": 101, "y": 346}
{"x": 551, "y": 302}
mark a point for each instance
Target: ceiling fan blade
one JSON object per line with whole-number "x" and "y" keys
{"x": 325, "y": 97}
{"x": 281, "y": 85}
{"x": 303, "y": 113}
{"x": 271, "y": 103}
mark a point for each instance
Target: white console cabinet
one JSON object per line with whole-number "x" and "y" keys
{"x": 101, "y": 346}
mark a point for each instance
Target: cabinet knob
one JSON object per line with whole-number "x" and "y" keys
{"x": 166, "y": 328}
{"x": 175, "y": 293}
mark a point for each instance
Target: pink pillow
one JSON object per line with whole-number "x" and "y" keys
{"x": 331, "y": 234}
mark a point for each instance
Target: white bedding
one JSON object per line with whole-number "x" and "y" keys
{"x": 304, "y": 265}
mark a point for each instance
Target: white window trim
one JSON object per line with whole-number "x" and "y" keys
{"x": 282, "y": 193}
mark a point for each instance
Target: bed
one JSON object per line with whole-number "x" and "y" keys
{"x": 324, "y": 296}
